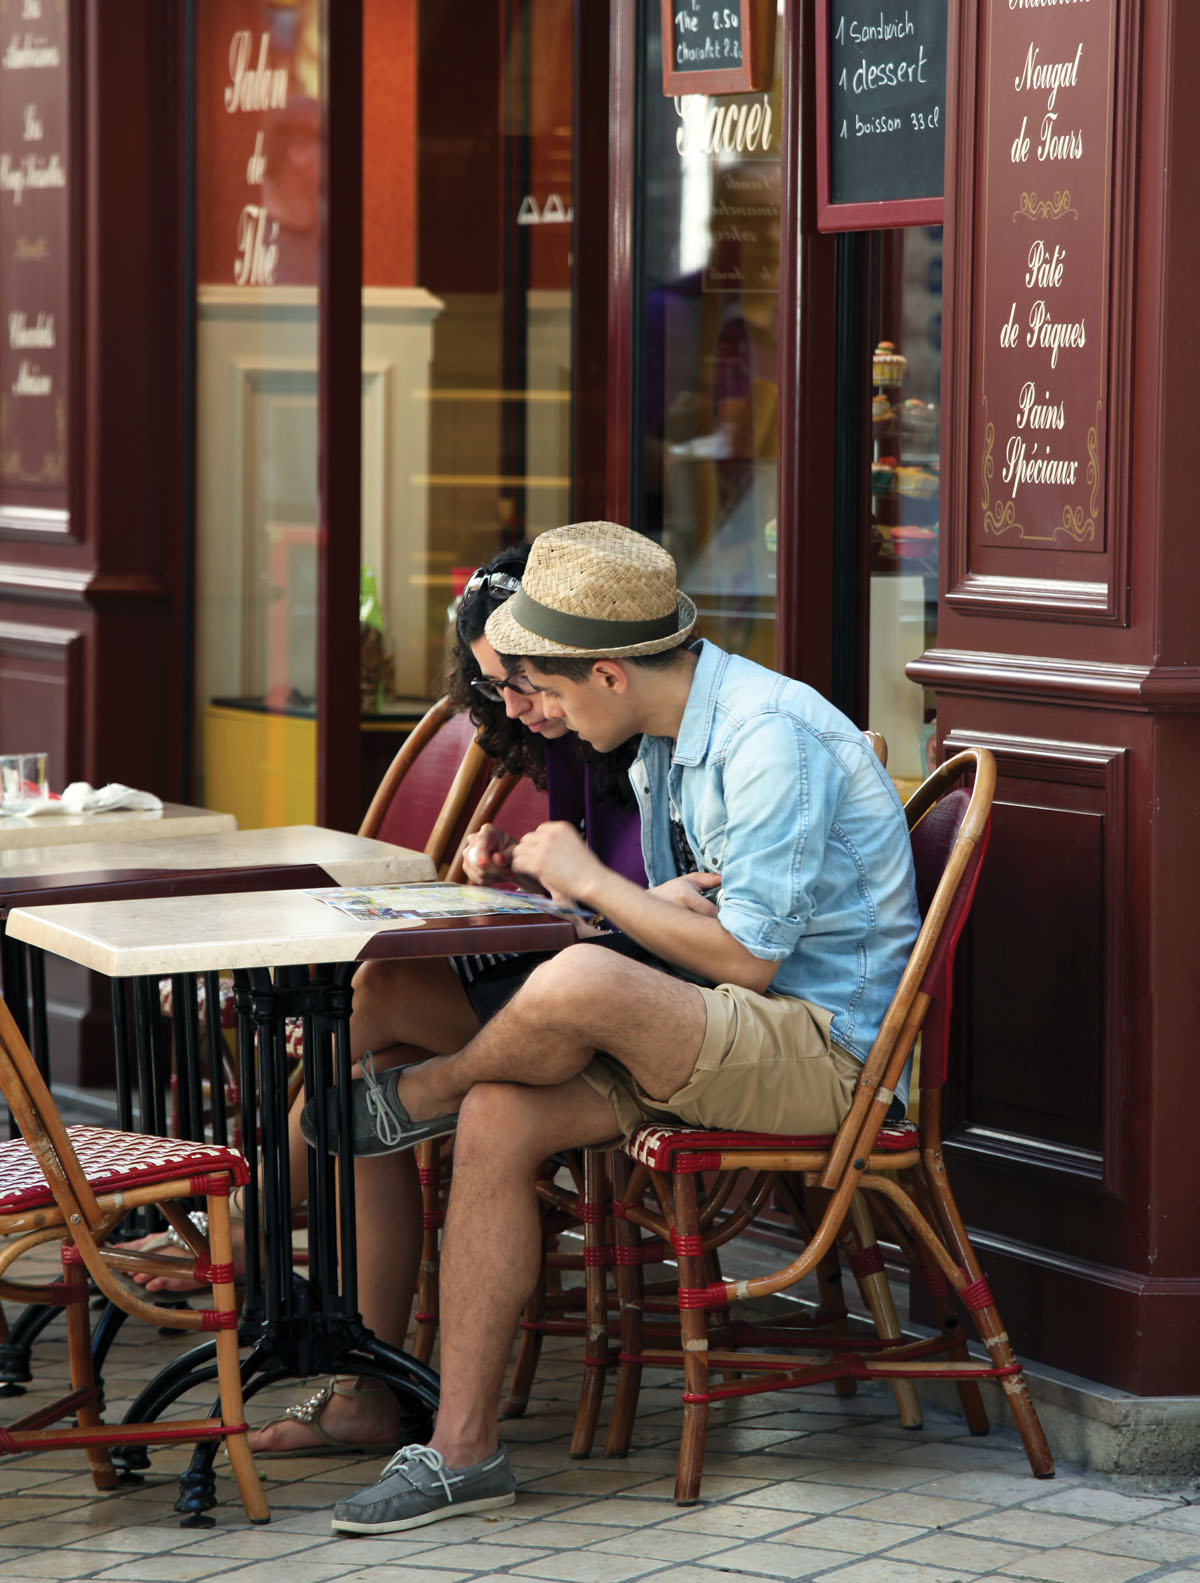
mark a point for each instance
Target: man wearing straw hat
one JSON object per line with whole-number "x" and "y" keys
{"x": 742, "y": 990}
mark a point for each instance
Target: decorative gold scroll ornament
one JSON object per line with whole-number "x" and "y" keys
{"x": 999, "y": 519}
{"x": 1032, "y": 207}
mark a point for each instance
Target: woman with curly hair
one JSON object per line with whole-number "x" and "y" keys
{"x": 406, "y": 1010}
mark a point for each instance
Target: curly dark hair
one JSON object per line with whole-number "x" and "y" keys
{"x": 515, "y": 750}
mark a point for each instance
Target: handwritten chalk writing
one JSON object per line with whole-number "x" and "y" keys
{"x": 1053, "y": 75}
{"x": 685, "y": 23}
{"x": 890, "y": 73}
{"x": 881, "y": 32}
{"x": 1025, "y": 466}
{"x": 30, "y": 381}
{"x": 741, "y": 126}
{"x": 1038, "y": 5}
{"x": 260, "y": 87}
{"x": 1045, "y": 268}
{"x": 23, "y": 335}
{"x": 873, "y": 125}
{"x": 36, "y": 53}
{"x": 1032, "y": 414}
{"x": 1054, "y": 335}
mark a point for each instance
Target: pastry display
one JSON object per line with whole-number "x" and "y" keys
{"x": 888, "y": 365}
{"x": 881, "y": 411}
{"x": 883, "y": 475}
{"x": 919, "y": 421}
{"x": 917, "y": 482}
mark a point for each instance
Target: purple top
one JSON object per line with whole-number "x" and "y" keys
{"x": 614, "y": 834}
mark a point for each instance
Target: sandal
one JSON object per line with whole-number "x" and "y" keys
{"x": 170, "y": 1241}
{"x": 414, "y": 1421}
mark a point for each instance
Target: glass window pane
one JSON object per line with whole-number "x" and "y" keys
{"x": 482, "y": 387}
{"x": 905, "y": 432}
{"x": 258, "y": 110}
{"x": 707, "y": 436}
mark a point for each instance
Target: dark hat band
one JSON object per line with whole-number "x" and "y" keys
{"x": 584, "y": 632}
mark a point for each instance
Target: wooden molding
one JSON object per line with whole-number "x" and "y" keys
{"x": 1156, "y": 689}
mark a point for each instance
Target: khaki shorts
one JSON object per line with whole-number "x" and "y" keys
{"x": 766, "y": 1064}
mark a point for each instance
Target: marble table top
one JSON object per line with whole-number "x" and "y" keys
{"x": 343, "y": 859}
{"x": 267, "y": 928}
{"x": 124, "y": 824}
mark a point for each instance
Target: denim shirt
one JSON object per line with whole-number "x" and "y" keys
{"x": 781, "y": 794}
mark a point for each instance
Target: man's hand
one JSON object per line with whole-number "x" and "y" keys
{"x": 487, "y": 856}
{"x": 558, "y": 858}
{"x": 687, "y": 890}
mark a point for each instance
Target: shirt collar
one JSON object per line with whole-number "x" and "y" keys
{"x": 695, "y": 729}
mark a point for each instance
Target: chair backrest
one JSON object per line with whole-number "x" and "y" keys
{"x": 948, "y": 826}
{"x": 524, "y": 808}
{"x": 878, "y": 745}
{"x": 28, "y": 1098}
{"x": 426, "y": 797}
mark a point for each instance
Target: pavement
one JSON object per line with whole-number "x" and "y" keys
{"x": 797, "y": 1486}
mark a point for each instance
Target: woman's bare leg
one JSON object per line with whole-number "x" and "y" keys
{"x": 403, "y": 1011}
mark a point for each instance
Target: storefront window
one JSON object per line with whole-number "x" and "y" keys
{"x": 905, "y": 378}
{"x": 706, "y": 378}
{"x": 258, "y": 112}
{"x": 466, "y": 374}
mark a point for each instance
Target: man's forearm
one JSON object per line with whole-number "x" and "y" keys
{"x": 691, "y": 940}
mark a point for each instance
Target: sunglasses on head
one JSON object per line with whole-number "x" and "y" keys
{"x": 481, "y": 582}
{"x": 495, "y": 690}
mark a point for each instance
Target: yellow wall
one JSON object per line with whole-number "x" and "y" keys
{"x": 261, "y": 768}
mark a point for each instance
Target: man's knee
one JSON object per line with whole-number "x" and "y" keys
{"x": 566, "y": 984}
{"x": 496, "y": 1123}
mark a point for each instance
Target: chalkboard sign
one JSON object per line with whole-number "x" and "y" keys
{"x": 881, "y": 113}
{"x": 717, "y": 46}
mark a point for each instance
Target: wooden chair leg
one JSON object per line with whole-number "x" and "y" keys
{"x": 79, "y": 1352}
{"x": 693, "y": 1331}
{"x": 979, "y": 1301}
{"x": 630, "y": 1283}
{"x": 425, "y": 1319}
{"x": 867, "y": 1264}
{"x": 529, "y": 1348}
{"x": 596, "y": 1357}
{"x": 229, "y": 1374}
{"x": 941, "y": 1294}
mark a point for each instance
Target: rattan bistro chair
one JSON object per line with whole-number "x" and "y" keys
{"x": 72, "y": 1185}
{"x": 872, "y": 1172}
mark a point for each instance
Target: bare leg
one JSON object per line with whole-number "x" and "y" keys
{"x": 409, "y": 1001}
{"x": 492, "y": 1242}
{"x": 582, "y": 1000}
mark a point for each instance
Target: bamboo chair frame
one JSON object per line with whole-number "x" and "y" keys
{"x": 80, "y": 1217}
{"x": 866, "y": 1173}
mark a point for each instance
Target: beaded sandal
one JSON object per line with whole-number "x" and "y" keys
{"x": 309, "y": 1414}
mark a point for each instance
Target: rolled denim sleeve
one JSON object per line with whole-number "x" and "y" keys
{"x": 776, "y": 843}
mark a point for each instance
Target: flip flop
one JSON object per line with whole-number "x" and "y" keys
{"x": 309, "y": 1413}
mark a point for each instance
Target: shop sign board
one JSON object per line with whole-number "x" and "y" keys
{"x": 725, "y": 47}
{"x": 35, "y": 273}
{"x": 1044, "y": 245}
{"x": 881, "y": 113}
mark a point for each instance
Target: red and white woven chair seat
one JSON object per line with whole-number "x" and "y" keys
{"x": 294, "y": 1038}
{"x": 113, "y": 1161}
{"x": 676, "y": 1148}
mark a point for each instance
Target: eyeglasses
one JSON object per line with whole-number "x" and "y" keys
{"x": 495, "y": 690}
{"x": 481, "y": 581}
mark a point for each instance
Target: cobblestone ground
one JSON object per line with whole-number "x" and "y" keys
{"x": 805, "y": 1486}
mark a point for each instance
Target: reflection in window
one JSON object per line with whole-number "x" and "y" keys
{"x": 905, "y": 376}
{"x": 707, "y": 434}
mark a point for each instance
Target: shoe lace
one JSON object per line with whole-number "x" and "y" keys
{"x": 387, "y": 1123}
{"x": 428, "y": 1458}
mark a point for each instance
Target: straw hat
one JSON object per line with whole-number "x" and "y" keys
{"x": 593, "y": 589}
